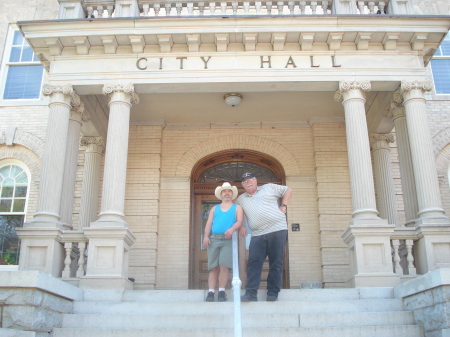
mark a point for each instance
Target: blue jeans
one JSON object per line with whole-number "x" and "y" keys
{"x": 271, "y": 245}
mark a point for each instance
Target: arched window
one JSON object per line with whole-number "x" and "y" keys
{"x": 14, "y": 182}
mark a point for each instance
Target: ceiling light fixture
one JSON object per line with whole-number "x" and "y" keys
{"x": 233, "y": 99}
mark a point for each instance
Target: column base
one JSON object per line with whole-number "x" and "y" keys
{"x": 47, "y": 223}
{"x": 441, "y": 221}
{"x": 41, "y": 250}
{"x": 374, "y": 280}
{"x": 432, "y": 250}
{"x": 108, "y": 255}
{"x": 369, "y": 245}
{"x": 105, "y": 282}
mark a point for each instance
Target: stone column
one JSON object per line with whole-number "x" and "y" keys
{"x": 91, "y": 180}
{"x": 397, "y": 112}
{"x": 109, "y": 237}
{"x": 384, "y": 182}
{"x": 432, "y": 226}
{"x": 114, "y": 179}
{"x": 367, "y": 236}
{"x": 77, "y": 116}
{"x": 352, "y": 96}
{"x": 40, "y": 239}
{"x": 425, "y": 173}
{"x": 52, "y": 172}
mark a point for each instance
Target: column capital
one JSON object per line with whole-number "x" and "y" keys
{"x": 396, "y": 109}
{"x": 77, "y": 113}
{"x": 61, "y": 94}
{"x": 93, "y": 144}
{"x": 415, "y": 89}
{"x": 348, "y": 90}
{"x": 126, "y": 93}
{"x": 380, "y": 141}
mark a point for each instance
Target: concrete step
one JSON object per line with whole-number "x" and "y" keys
{"x": 366, "y": 331}
{"x": 206, "y": 308}
{"x": 221, "y": 321}
{"x": 199, "y": 295}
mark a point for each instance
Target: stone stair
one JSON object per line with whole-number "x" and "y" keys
{"x": 368, "y": 312}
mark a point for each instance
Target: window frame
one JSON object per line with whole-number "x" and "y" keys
{"x": 4, "y": 69}
{"x": 8, "y": 162}
{"x": 441, "y": 56}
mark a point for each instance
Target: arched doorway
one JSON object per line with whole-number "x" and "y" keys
{"x": 210, "y": 172}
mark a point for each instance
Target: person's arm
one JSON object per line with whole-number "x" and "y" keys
{"x": 208, "y": 226}
{"x": 237, "y": 224}
{"x": 285, "y": 200}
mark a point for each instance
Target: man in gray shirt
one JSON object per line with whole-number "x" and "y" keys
{"x": 267, "y": 220}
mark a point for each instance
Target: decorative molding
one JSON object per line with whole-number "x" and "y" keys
{"x": 128, "y": 89}
{"x": 278, "y": 40}
{"x": 93, "y": 144}
{"x": 165, "y": 43}
{"x": 416, "y": 85}
{"x": 222, "y": 41}
{"x": 110, "y": 44}
{"x": 380, "y": 141}
{"x": 82, "y": 44}
{"x": 390, "y": 41}
{"x": 193, "y": 41}
{"x": 65, "y": 89}
{"x": 306, "y": 41}
{"x": 55, "y": 46}
{"x": 362, "y": 41}
{"x": 250, "y": 40}
{"x": 334, "y": 41}
{"x": 418, "y": 41}
{"x": 137, "y": 43}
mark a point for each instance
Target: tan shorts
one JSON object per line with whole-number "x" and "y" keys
{"x": 220, "y": 253}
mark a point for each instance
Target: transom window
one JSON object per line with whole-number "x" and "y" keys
{"x": 232, "y": 172}
{"x": 23, "y": 70}
{"x": 440, "y": 66}
{"x": 14, "y": 190}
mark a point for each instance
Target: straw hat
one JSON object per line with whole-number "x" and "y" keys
{"x": 226, "y": 186}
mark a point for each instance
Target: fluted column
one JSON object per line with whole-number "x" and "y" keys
{"x": 397, "y": 113}
{"x": 91, "y": 180}
{"x": 114, "y": 180}
{"x": 52, "y": 172}
{"x": 425, "y": 174}
{"x": 384, "y": 182}
{"x": 77, "y": 116}
{"x": 352, "y": 96}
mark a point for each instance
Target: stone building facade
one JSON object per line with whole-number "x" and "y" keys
{"x": 132, "y": 114}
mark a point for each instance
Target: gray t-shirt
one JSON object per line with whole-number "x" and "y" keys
{"x": 262, "y": 210}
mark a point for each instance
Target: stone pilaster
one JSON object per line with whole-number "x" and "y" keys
{"x": 91, "y": 179}
{"x": 52, "y": 172}
{"x": 77, "y": 116}
{"x": 425, "y": 173}
{"x": 397, "y": 113}
{"x": 114, "y": 179}
{"x": 352, "y": 96}
{"x": 384, "y": 182}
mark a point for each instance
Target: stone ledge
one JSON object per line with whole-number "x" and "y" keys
{"x": 41, "y": 281}
{"x": 16, "y": 333}
{"x": 433, "y": 279}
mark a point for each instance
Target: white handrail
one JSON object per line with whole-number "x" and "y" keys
{"x": 236, "y": 283}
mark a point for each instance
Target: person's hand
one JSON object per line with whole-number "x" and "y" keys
{"x": 243, "y": 231}
{"x": 228, "y": 233}
{"x": 283, "y": 209}
{"x": 206, "y": 241}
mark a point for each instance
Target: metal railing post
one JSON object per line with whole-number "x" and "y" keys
{"x": 236, "y": 283}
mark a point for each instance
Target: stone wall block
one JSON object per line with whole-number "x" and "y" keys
{"x": 21, "y": 297}
{"x": 435, "y": 317}
{"x": 441, "y": 294}
{"x": 30, "y": 318}
{"x": 419, "y": 300}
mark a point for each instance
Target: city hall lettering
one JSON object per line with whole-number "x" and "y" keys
{"x": 263, "y": 62}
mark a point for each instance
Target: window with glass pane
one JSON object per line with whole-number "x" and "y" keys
{"x": 441, "y": 75}
{"x": 13, "y": 197}
{"x": 24, "y": 77}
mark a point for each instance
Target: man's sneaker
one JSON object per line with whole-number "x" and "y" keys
{"x": 249, "y": 298}
{"x": 210, "y": 297}
{"x": 222, "y": 297}
{"x": 271, "y": 298}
